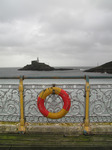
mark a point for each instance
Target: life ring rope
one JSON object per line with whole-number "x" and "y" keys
{"x": 58, "y": 91}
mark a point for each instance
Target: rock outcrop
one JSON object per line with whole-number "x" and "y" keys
{"x": 36, "y": 66}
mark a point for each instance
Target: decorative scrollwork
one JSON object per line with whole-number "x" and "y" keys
{"x": 31, "y": 108}
{"x": 9, "y": 103}
{"x": 53, "y": 103}
{"x": 101, "y": 103}
{"x": 77, "y": 108}
{"x": 11, "y": 107}
{"x": 97, "y": 108}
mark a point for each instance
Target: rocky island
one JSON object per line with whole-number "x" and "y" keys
{"x": 37, "y": 66}
{"x": 105, "y": 68}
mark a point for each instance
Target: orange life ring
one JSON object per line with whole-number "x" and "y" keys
{"x": 56, "y": 90}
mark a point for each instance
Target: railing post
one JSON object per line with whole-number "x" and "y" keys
{"x": 86, "y": 121}
{"x": 21, "y": 127}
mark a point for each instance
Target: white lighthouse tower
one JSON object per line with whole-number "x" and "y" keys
{"x": 38, "y": 59}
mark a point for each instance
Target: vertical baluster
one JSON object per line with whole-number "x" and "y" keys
{"x": 22, "y": 121}
{"x": 86, "y": 121}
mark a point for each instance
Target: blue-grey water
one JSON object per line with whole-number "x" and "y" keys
{"x": 77, "y": 71}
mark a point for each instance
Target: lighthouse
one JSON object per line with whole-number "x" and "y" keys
{"x": 38, "y": 59}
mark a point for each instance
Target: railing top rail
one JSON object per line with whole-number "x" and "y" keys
{"x": 58, "y": 77}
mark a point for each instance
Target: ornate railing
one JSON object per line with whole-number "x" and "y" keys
{"x": 89, "y": 103}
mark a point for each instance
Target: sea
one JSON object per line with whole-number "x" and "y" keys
{"x": 75, "y": 71}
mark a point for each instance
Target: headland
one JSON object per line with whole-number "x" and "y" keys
{"x": 105, "y": 68}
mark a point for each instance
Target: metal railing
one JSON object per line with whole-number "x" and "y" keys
{"x": 89, "y": 103}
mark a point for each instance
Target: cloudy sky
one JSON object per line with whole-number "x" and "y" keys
{"x": 59, "y": 32}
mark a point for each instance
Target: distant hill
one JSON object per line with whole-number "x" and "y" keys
{"x": 107, "y": 67}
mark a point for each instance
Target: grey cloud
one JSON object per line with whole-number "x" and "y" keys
{"x": 69, "y": 31}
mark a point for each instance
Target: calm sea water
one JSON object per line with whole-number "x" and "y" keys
{"x": 77, "y": 71}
